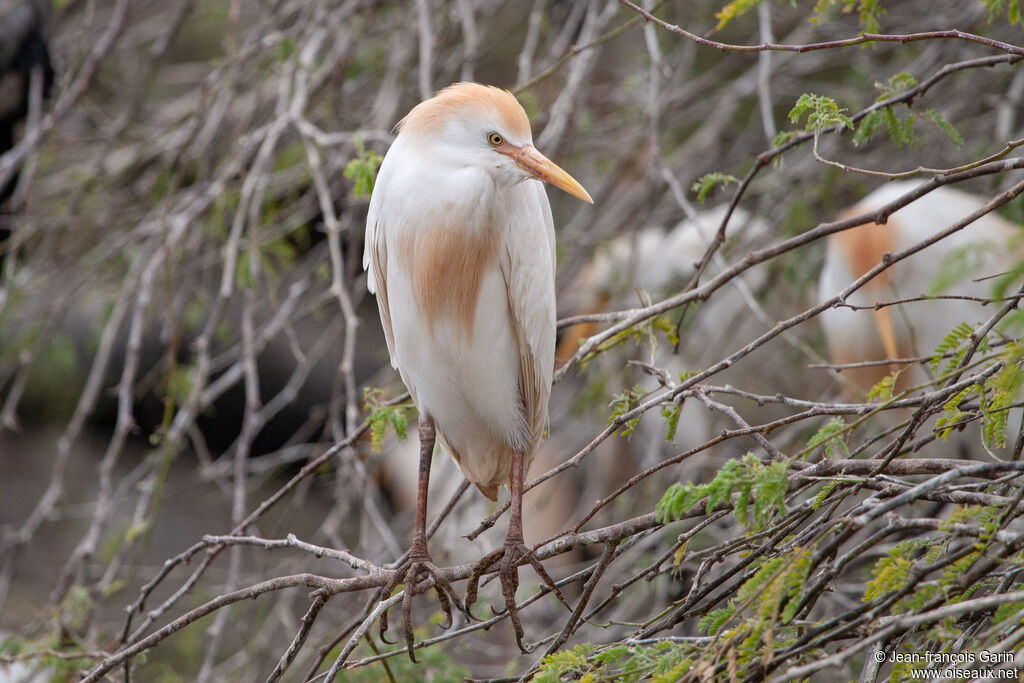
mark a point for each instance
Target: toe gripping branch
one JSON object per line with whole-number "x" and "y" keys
{"x": 418, "y": 574}
{"x": 508, "y": 558}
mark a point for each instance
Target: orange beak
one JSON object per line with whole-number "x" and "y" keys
{"x": 539, "y": 166}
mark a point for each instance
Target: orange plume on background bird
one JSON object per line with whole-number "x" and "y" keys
{"x": 961, "y": 264}
{"x": 460, "y": 252}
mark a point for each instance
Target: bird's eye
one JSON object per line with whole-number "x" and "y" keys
{"x": 495, "y": 139}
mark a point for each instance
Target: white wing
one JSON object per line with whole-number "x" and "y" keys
{"x": 375, "y": 262}
{"x": 528, "y": 266}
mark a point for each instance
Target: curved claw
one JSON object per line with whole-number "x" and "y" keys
{"x": 384, "y": 629}
{"x": 446, "y": 607}
{"x": 410, "y": 575}
{"x": 510, "y": 555}
{"x": 407, "y": 611}
{"x": 469, "y": 613}
{"x": 473, "y": 586}
{"x": 385, "y": 594}
{"x": 509, "y": 576}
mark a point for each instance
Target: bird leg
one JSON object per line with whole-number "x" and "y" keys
{"x": 418, "y": 569}
{"x": 511, "y": 554}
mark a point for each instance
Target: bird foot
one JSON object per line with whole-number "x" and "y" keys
{"x": 510, "y": 555}
{"x": 419, "y": 573}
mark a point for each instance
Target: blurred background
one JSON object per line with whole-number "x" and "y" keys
{"x": 184, "y": 321}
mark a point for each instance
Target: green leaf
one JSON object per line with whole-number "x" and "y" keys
{"x": 670, "y": 414}
{"x": 892, "y": 571}
{"x": 821, "y": 112}
{"x": 732, "y": 10}
{"x": 901, "y": 131}
{"x": 707, "y": 182}
{"x": 769, "y": 487}
{"x": 764, "y": 486}
{"x": 783, "y": 137}
{"x": 998, "y": 396}
{"x": 953, "y": 343}
{"x": 713, "y": 620}
{"x": 883, "y": 390}
{"x": 869, "y": 125}
{"x": 868, "y": 12}
{"x": 945, "y": 126}
{"x": 996, "y": 8}
{"x": 383, "y": 418}
{"x": 556, "y": 666}
{"x": 833, "y": 435}
{"x": 898, "y": 82}
{"x": 825, "y": 492}
{"x": 622, "y": 404}
{"x": 362, "y": 169}
{"x": 952, "y": 416}
{"x": 775, "y": 588}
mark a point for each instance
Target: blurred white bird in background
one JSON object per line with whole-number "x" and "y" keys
{"x": 460, "y": 251}
{"x": 963, "y": 263}
{"x": 647, "y": 265}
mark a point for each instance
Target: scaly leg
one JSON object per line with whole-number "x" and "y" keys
{"x": 511, "y": 555}
{"x": 418, "y": 566}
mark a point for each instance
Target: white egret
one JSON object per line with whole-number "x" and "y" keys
{"x": 960, "y": 264}
{"x": 460, "y": 251}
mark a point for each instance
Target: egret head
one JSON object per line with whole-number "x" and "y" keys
{"x": 469, "y": 124}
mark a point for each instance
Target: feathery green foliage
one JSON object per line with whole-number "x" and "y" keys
{"x": 883, "y": 390}
{"x": 900, "y": 128}
{"x": 670, "y": 413}
{"x": 763, "y": 608}
{"x": 716, "y": 618}
{"x": 954, "y": 343}
{"x": 383, "y": 417}
{"x": 936, "y": 117}
{"x": 622, "y": 404}
{"x": 997, "y": 7}
{"x": 1000, "y": 392}
{"x": 732, "y": 10}
{"x": 901, "y": 131}
{"x": 822, "y": 112}
{"x": 952, "y": 416}
{"x": 362, "y": 169}
{"x": 558, "y": 664}
{"x": 709, "y": 181}
{"x": 892, "y": 571}
{"x": 660, "y": 662}
{"x": 642, "y": 333}
{"x": 868, "y": 11}
{"x": 783, "y": 137}
{"x": 1009, "y": 610}
{"x": 833, "y": 436}
{"x": 775, "y": 587}
{"x": 761, "y": 486}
